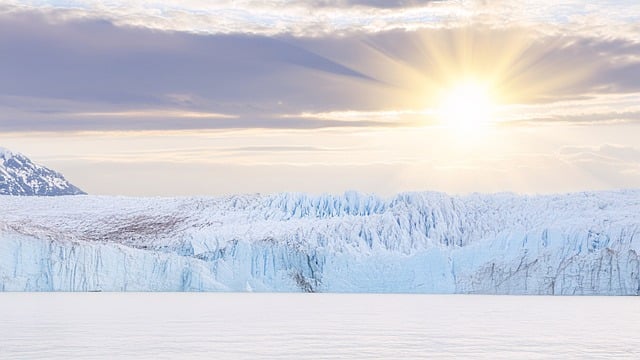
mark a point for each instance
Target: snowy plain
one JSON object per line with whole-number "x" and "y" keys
{"x": 569, "y": 244}
{"x": 316, "y": 326}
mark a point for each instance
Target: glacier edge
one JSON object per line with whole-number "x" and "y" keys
{"x": 571, "y": 244}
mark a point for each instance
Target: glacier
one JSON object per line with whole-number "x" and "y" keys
{"x": 425, "y": 242}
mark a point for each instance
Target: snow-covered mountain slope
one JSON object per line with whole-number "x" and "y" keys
{"x": 582, "y": 243}
{"x": 20, "y": 176}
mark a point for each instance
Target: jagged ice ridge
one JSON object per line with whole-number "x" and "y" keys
{"x": 580, "y": 243}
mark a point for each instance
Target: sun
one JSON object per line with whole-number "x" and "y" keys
{"x": 466, "y": 106}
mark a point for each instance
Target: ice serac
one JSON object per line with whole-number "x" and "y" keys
{"x": 20, "y": 176}
{"x": 581, "y": 243}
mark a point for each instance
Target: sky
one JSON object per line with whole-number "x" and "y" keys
{"x": 194, "y": 97}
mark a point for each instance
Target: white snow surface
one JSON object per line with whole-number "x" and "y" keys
{"x": 20, "y": 176}
{"x": 5, "y": 153}
{"x": 579, "y": 243}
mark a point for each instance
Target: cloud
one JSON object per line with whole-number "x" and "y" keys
{"x": 611, "y": 117}
{"x": 366, "y": 3}
{"x": 78, "y": 75}
{"x": 300, "y": 18}
{"x": 95, "y": 76}
{"x": 617, "y": 166}
{"x": 611, "y": 18}
{"x": 610, "y": 153}
{"x": 98, "y": 61}
{"x": 291, "y": 148}
{"x": 396, "y": 117}
{"x": 121, "y": 122}
{"x": 594, "y": 109}
{"x": 154, "y": 114}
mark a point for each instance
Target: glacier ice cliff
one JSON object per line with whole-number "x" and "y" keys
{"x": 580, "y": 243}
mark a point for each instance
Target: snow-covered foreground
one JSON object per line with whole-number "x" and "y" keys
{"x": 582, "y": 243}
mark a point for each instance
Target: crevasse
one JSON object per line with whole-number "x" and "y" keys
{"x": 580, "y": 243}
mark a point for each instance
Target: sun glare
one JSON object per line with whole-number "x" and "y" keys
{"x": 466, "y": 107}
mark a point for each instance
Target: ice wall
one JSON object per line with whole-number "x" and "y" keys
{"x": 583, "y": 243}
